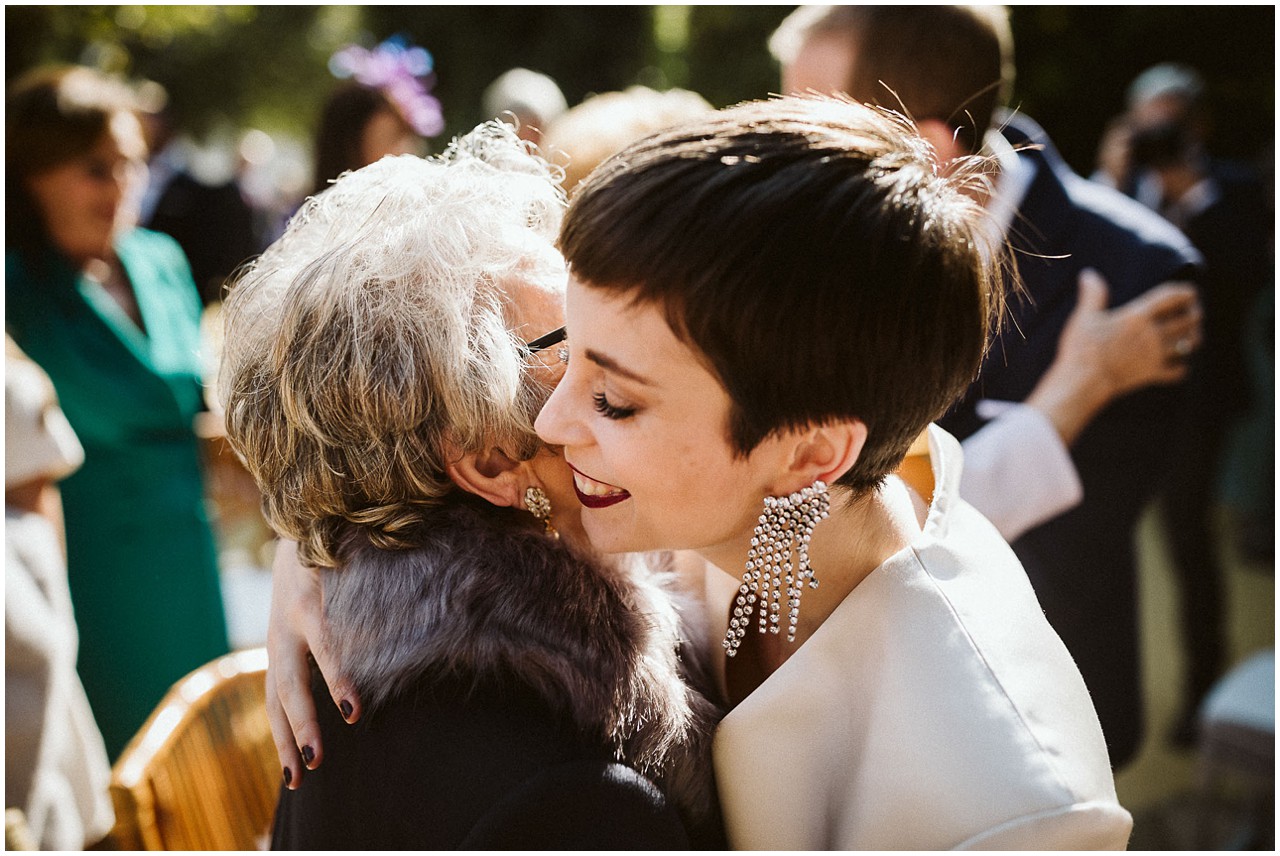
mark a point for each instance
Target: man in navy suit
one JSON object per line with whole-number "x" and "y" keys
{"x": 1033, "y": 426}
{"x": 1225, "y": 209}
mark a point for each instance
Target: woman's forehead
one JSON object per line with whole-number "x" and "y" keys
{"x": 535, "y": 303}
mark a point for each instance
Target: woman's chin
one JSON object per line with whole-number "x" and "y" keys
{"x": 610, "y": 537}
{"x": 88, "y": 249}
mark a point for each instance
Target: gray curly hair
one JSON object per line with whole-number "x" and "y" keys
{"x": 372, "y": 341}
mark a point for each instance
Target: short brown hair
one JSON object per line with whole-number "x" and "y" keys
{"x": 340, "y": 132}
{"x": 949, "y": 63}
{"x": 809, "y": 251}
{"x": 52, "y": 116}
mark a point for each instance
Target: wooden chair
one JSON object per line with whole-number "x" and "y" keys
{"x": 202, "y": 773}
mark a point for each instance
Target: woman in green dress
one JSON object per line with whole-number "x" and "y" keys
{"x": 111, "y": 314}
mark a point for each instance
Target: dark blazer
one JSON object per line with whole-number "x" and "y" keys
{"x": 1082, "y": 563}
{"x": 1235, "y": 234}
{"x": 446, "y": 766}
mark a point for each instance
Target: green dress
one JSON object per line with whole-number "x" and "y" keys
{"x": 140, "y": 553}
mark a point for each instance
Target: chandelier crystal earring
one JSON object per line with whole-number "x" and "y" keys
{"x": 535, "y": 499}
{"x": 783, "y": 533}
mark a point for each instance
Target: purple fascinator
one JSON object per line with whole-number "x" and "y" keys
{"x": 397, "y": 69}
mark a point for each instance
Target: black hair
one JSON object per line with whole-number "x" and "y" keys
{"x": 809, "y": 251}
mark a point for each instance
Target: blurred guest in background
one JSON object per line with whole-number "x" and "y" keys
{"x": 592, "y": 131}
{"x": 529, "y": 99}
{"x": 210, "y": 219}
{"x": 1224, "y": 208}
{"x": 384, "y": 109}
{"x": 55, "y": 767}
{"x": 110, "y": 312}
{"x": 1168, "y": 94}
{"x": 949, "y": 68}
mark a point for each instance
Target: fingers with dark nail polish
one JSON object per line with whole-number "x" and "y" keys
{"x": 308, "y": 755}
{"x": 346, "y": 709}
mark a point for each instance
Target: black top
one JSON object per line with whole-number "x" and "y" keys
{"x": 448, "y": 765}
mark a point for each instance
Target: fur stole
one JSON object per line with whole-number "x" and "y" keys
{"x": 483, "y": 596}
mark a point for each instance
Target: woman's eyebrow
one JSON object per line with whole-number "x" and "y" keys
{"x": 610, "y": 364}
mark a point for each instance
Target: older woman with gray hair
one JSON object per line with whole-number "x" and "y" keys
{"x": 385, "y": 360}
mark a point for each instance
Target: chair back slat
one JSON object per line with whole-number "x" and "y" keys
{"x": 202, "y": 772}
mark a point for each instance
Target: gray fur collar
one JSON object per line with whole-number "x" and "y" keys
{"x": 482, "y": 597}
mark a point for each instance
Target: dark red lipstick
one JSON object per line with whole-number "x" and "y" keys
{"x": 592, "y": 501}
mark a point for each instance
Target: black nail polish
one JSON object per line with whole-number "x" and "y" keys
{"x": 346, "y": 709}
{"x": 308, "y": 754}
{"x": 288, "y": 777}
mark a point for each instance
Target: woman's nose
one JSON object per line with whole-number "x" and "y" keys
{"x": 554, "y": 424}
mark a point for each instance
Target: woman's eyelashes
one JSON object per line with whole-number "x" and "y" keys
{"x": 599, "y": 399}
{"x": 609, "y": 411}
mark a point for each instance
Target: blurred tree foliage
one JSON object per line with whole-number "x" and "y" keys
{"x": 237, "y": 65}
{"x": 586, "y": 49}
{"x": 1075, "y": 63}
{"x": 727, "y": 56}
{"x": 266, "y": 65}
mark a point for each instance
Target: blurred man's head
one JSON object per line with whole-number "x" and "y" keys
{"x": 1165, "y": 93}
{"x": 948, "y": 67}
{"x": 529, "y": 100}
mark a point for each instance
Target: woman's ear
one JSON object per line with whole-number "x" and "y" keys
{"x": 824, "y": 452}
{"x": 490, "y": 475}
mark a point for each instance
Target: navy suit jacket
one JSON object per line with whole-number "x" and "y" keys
{"x": 1082, "y": 562}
